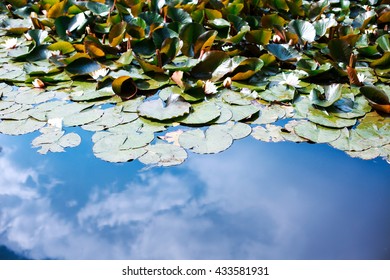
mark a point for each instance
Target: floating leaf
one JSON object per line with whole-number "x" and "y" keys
{"x": 235, "y": 98}
{"x": 202, "y": 113}
{"x": 214, "y": 140}
{"x": 17, "y": 127}
{"x": 270, "y": 114}
{"x": 56, "y": 141}
{"x": 242, "y": 112}
{"x": 109, "y": 148}
{"x": 163, "y": 155}
{"x": 348, "y": 109}
{"x": 322, "y": 117}
{"x": 278, "y": 93}
{"x": 327, "y": 97}
{"x": 269, "y": 133}
{"x": 84, "y": 117}
{"x": 316, "y": 133}
{"x": 237, "y": 130}
{"x": 157, "y": 109}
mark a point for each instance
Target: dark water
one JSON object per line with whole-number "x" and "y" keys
{"x": 253, "y": 201}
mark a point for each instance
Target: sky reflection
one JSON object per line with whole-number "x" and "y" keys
{"x": 253, "y": 201}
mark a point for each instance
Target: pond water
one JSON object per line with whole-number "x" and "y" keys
{"x": 254, "y": 201}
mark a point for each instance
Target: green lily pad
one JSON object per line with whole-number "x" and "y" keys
{"x": 316, "y": 133}
{"x": 242, "y": 112}
{"x": 270, "y": 114}
{"x": 18, "y": 127}
{"x": 326, "y": 97}
{"x": 56, "y": 141}
{"x": 83, "y": 117}
{"x": 235, "y": 98}
{"x": 111, "y": 117}
{"x": 237, "y": 130}
{"x": 202, "y": 113}
{"x": 157, "y": 109}
{"x": 322, "y": 117}
{"x": 269, "y": 133}
{"x": 347, "y": 109}
{"x": 214, "y": 140}
{"x": 162, "y": 154}
{"x": 278, "y": 93}
{"x": 109, "y": 149}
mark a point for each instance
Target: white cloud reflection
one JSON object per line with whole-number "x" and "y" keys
{"x": 213, "y": 207}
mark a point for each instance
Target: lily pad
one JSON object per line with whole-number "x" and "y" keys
{"x": 316, "y": 133}
{"x": 214, "y": 140}
{"x": 269, "y": 133}
{"x": 163, "y": 155}
{"x": 18, "y": 127}
{"x": 56, "y": 141}
{"x": 202, "y": 113}
{"x": 157, "y": 109}
{"x": 322, "y": 117}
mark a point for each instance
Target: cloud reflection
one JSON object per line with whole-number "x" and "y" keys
{"x": 251, "y": 202}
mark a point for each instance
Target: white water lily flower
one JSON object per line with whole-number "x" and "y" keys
{"x": 361, "y": 77}
{"x": 37, "y": 83}
{"x": 55, "y": 122}
{"x": 10, "y": 43}
{"x": 210, "y": 87}
{"x": 100, "y": 73}
{"x": 246, "y": 92}
{"x": 226, "y": 48}
{"x": 290, "y": 79}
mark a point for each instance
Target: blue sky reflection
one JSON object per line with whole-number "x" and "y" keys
{"x": 253, "y": 201}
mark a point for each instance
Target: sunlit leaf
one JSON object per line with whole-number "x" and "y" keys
{"x": 304, "y": 29}
{"x": 214, "y": 140}
{"x": 163, "y": 155}
{"x": 157, "y": 109}
{"x": 316, "y": 133}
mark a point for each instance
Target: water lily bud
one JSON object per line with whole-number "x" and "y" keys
{"x": 37, "y": 83}
{"x": 28, "y": 37}
{"x": 227, "y": 82}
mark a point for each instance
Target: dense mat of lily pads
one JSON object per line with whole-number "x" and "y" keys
{"x": 154, "y": 80}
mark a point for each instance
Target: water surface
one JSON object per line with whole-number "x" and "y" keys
{"x": 254, "y": 201}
